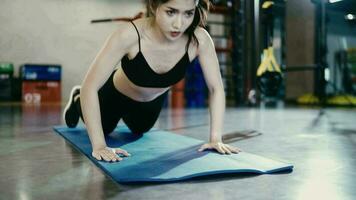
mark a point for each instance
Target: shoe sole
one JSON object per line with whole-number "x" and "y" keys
{"x": 69, "y": 102}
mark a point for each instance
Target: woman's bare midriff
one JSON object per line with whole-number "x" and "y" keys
{"x": 137, "y": 93}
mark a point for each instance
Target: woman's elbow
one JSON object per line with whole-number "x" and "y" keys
{"x": 87, "y": 89}
{"x": 217, "y": 89}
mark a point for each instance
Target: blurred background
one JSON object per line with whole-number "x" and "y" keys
{"x": 289, "y": 71}
{"x": 305, "y": 50}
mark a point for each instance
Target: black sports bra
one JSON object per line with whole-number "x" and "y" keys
{"x": 141, "y": 74}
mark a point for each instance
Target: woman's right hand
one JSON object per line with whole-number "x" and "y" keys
{"x": 109, "y": 154}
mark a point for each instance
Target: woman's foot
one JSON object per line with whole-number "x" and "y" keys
{"x": 70, "y": 113}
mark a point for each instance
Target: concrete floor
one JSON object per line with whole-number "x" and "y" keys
{"x": 36, "y": 163}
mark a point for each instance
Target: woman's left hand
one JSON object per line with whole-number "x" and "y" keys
{"x": 220, "y": 147}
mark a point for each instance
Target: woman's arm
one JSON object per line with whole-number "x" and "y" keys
{"x": 211, "y": 71}
{"x": 115, "y": 47}
{"x": 210, "y": 67}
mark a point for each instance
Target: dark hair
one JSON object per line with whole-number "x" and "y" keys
{"x": 200, "y": 15}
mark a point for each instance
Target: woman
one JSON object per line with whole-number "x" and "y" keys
{"x": 154, "y": 54}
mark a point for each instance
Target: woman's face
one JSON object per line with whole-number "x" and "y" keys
{"x": 174, "y": 17}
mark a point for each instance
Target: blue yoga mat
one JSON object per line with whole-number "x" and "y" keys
{"x": 164, "y": 156}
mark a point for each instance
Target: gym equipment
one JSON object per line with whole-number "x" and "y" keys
{"x": 161, "y": 156}
{"x": 268, "y": 62}
{"x": 43, "y": 72}
{"x": 269, "y": 75}
{"x": 6, "y": 77}
{"x": 37, "y": 92}
{"x": 41, "y": 83}
{"x": 340, "y": 97}
{"x": 267, "y": 4}
{"x": 126, "y": 19}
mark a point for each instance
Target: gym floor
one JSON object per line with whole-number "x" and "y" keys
{"x": 36, "y": 163}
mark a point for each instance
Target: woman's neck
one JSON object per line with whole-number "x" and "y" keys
{"x": 155, "y": 33}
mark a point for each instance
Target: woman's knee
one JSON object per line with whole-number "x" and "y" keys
{"x": 139, "y": 130}
{"x": 108, "y": 124}
{"x": 108, "y": 129}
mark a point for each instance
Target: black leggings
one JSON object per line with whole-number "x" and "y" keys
{"x": 138, "y": 116}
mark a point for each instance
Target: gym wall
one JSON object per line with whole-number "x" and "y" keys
{"x": 300, "y": 30}
{"x": 59, "y": 32}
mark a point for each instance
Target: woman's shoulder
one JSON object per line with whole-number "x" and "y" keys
{"x": 126, "y": 33}
{"x": 202, "y": 35}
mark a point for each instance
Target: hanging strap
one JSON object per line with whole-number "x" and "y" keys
{"x": 138, "y": 34}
